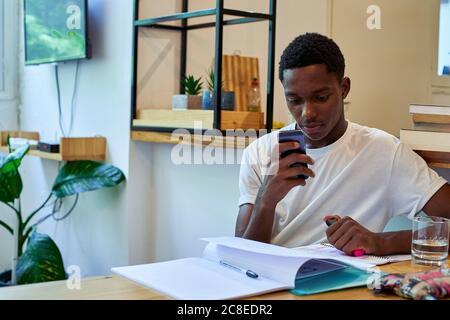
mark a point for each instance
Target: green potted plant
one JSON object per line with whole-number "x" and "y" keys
{"x": 191, "y": 99}
{"x": 38, "y": 257}
{"x": 209, "y": 96}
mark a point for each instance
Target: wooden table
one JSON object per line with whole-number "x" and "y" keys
{"x": 115, "y": 287}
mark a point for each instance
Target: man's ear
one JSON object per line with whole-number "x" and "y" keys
{"x": 346, "y": 85}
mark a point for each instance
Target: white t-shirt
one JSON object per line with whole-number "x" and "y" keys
{"x": 367, "y": 174}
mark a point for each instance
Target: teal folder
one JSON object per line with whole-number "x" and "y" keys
{"x": 345, "y": 277}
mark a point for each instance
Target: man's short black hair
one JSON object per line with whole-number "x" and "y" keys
{"x": 309, "y": 49}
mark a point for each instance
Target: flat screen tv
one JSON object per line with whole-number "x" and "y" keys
{"x": 55, "y": 31}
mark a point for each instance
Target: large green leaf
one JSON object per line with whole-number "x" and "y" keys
{"x": 41, "y": 261}
{"x": 10, "y": 186}
{"x": 10, "y": 180}
{"x": 81, "y": 176}
{"x": 12, "y": 161}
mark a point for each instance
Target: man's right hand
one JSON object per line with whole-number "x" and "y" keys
{"x": 256, "y": 221}
{"x": 283, "y": 176}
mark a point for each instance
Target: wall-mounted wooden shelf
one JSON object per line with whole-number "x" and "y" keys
{"x": 71, "y": 149}
{"x": 194, "y": 140}
{"x": 186, "y": 119}
{"x": 36, "y": 153}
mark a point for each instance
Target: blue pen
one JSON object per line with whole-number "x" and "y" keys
{"x": 249, "y": 273}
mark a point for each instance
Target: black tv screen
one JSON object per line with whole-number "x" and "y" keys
{"x": 55, "y": 30}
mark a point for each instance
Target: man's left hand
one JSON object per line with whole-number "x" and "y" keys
{"x": 348, "y": 235}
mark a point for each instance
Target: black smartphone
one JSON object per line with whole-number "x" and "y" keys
{"x": 296, "y": 136}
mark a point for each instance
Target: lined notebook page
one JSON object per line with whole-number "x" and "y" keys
{"x": 329, "y": 249}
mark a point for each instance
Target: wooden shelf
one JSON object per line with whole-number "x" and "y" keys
{"x": 186, "y": 119}
{"x": 71, "y": 149}
{"x": 36, "y": 153}
{"x": 83, "y": 149}
{"x": 195, "y": 140}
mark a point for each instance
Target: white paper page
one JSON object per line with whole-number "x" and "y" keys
{"x": 279, "y": 268}
{"x": 197, "y": 279}
{"x": 329, "y": 250}
{"x": 274, "y": 262}
{"x": 276, "y": 252}
{"x": 258, "y": 247}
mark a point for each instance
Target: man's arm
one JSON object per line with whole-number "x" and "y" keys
{"x": 262, "y": 219}
{"x": 255, "y": 222}
{"x": 245, "y": 212}
{"x": 348, "y": 235}
{"x": 439, "y": 204}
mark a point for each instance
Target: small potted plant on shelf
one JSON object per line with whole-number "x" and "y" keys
{"x": 191, "y": 99}
{"x": 209, "y": 96}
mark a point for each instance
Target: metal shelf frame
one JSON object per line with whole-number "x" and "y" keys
{"x": 219, "y": 11}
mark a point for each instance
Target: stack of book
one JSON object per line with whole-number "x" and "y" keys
{"x": 430, "y": 133}
{"x": 430, "y": 114}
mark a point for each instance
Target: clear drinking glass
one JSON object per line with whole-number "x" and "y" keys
{"x": 430, "y": 237}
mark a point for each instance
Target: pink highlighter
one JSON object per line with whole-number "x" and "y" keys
{"x": 330, "y": 220}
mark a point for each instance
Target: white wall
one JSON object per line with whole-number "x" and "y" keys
{"x": 95, "y": 235}
{"x": 184, "y": 202}
{"x": 387, "y": 68}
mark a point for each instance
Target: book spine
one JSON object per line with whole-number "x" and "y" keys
{"x": 438, "y": 110}
{"x": 431, "y": 118}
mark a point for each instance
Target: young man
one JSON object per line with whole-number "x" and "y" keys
{"x": 365, "y": 175}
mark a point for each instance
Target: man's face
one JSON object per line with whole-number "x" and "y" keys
{"x": 315, "y": 97}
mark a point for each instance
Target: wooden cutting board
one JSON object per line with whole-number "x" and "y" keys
{"x": 237, "y": 75}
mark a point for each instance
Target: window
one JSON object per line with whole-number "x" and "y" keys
{"x": 444, "y": 39}
{"x": 8, "y": 49}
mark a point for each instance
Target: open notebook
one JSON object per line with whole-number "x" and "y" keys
{"x": 278, "y": 268}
